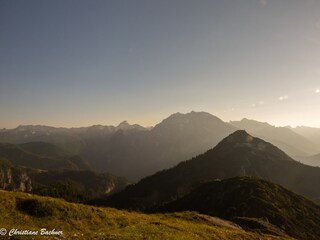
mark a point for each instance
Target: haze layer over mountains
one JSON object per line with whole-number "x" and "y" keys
{"x": 135, "y": 152}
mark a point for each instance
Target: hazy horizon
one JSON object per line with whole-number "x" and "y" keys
{"x": 146, "y": 126}
{"x": 81, "y": 63}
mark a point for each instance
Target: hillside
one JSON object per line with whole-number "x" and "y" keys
{"x": 77, "y": 186}
{"x": 76, "y": 221}
{"x": 239, "y": 154}
{"x": 74, "y": 186}
{"x": 43, "y": 149}
{"x": 44, "y": 169}
{"x": 253, "y": 198}
{"x": 41, "y": 156}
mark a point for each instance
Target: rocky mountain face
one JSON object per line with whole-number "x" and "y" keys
{"x": 13, "y": 178}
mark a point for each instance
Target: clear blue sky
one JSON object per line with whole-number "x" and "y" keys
{"x": 79, "y": 63}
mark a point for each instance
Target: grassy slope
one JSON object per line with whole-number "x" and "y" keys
{"x": 86, "y": 222}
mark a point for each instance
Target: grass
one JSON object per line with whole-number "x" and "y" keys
{"x": 25, "y": 211}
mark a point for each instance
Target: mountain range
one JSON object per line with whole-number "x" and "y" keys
{"x": 131, "y": 150}
{"x": 135, "y": 152}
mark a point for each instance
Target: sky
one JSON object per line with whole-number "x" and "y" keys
{"x": 72, "y": 63}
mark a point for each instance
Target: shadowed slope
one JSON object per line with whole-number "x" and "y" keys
{"x": 253, "y": 198}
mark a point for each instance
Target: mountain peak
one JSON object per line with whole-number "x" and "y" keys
{"x": 124, "y": 125}
{"x": 240, "y": 142}
{"x": 190, "y": 119}
{"x": 241, "y": 139}
{"x": 239, "y": 133}
{"x": 240, "y": 136}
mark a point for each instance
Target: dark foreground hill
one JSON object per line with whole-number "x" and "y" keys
{"x": 239, "y": 154}
{"x": 76, "y": 221}
{"x": 243, "y": 199}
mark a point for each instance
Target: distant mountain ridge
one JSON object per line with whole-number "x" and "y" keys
{"x": 310, "y": 133}
{"x": 131, "y": 150}
{"x": 285, "y": 138}
{"x": 310, "y": 160}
